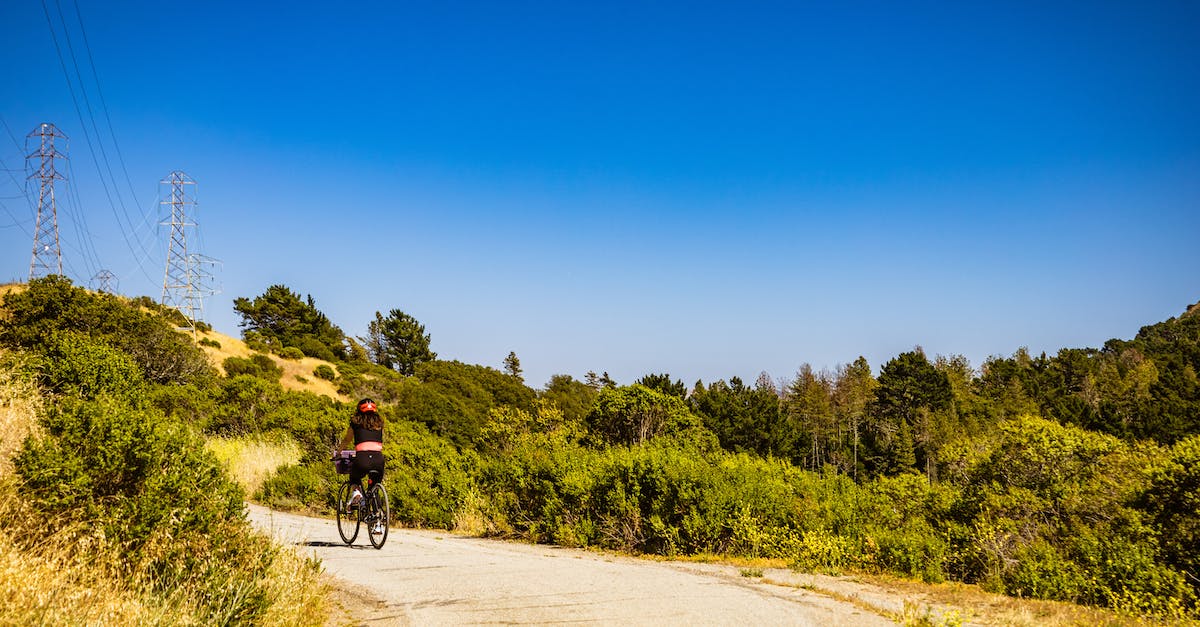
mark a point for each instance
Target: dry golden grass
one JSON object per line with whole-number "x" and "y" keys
{"x": 46, "y": 586}
{"x": 7, "y": 288}
{"x": 292, "y": 368}
{"x": 19, "y": 403}
{"x": 940, "y": 604}
{"x": 977, "y": 607}
{"x": 49, "y": 581}
{"x": 250, "y": 460}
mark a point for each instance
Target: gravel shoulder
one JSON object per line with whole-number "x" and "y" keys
{"x": 436, "y": 578}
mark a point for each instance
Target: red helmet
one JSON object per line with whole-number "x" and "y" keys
{"x": 367, "y": 405}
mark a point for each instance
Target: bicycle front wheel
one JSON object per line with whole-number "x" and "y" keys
{"x": 347, "y": 521}
{"x": 381, "y": 517}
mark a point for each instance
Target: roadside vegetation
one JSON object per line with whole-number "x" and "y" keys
{"x": 114, "y": 512}
{"x": 1071, "y": 477}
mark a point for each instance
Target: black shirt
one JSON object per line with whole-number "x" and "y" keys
{"x": 363, "y": 434}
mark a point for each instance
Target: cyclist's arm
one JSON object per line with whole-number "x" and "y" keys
{"x": 347, "y": 440}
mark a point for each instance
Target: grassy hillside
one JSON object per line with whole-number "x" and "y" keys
{"x": 297, "y": 373}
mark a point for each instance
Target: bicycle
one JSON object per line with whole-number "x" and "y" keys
{"x": 374, "y": 508}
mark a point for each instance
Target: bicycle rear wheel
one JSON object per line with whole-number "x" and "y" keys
{"x": 347, "y": 521}
{"x": 380, "y": 518}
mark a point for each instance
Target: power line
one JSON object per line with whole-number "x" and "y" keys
{"x": 16, "y": 222}
{"x": 87, "y": 101}
{"x": 87, "y": 135}
{"x": 104, "y": 107}
{"x": 78, "y": 217}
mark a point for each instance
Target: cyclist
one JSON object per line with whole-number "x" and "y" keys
{"x": 366, "y": 431}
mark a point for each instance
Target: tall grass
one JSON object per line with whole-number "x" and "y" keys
{"x": 46, "y": 579}
{"x": 250, "y": 460}
{"x": 19, "y": 403}
{"x": 45, "y": 582}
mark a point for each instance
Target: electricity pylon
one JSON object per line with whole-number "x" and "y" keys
{"x": 201, "y": 278}
{"x": 47, "y": 255}
{"x": 104, "y": 281}
{"x": 178, "y": 291}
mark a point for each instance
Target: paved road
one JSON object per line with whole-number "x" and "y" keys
{"x": 431, "y": 578}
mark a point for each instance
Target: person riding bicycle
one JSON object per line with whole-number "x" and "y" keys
{"x": 366, "y": 431}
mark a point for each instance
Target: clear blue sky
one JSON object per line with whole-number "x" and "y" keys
{"x": 705, "y": 189}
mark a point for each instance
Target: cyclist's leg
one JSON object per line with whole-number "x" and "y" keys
{"x": 358, "y": 470}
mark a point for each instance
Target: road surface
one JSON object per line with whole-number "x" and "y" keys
{"x": 437, "y": 578}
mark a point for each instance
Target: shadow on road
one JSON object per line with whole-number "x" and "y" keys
{"x": 334, "y": 544}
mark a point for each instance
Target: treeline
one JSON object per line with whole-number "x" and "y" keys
{"x": 1073, "y": 477}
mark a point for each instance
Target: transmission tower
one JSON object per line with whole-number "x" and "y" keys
{"x": 104, "y": 281}
{"x": 178, "y": 290}
{"x": 200, "y": 271}
{"x": 47, "y": 255}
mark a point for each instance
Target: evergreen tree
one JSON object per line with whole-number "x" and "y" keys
{"x": 280, "y": 318}
{"x": 902, "y": 457}
{"x": 398, "y": 342}
{"x": 512, "y": 365}
{"x": 914, "y": 394}
{"x": 662, "y": 383}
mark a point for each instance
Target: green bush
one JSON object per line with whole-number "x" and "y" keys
{"x": 242, "y": 404}
{"x": 256, "y": 342}
{"x": 427, "y": 478}
{"x": 190, "y": 404}
{"x": 75, "y": 364}
{"x": 258, "y": 365}
{"x": 204, "y": 341}
{"x": 52, "y": 306}
{"x": 313, "y": 347}
{"x": 325, "y": 371}
{"x": 146, "y": 494}
{"x": 309, "y": 486}
{"x": 913, "y": 550}
{"x": 1172, "y": 500}
{"x": 291, "y": 353}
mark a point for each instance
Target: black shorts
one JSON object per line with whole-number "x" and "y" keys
{"x": 367, "y": 462}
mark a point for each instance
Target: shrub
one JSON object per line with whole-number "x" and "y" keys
{"x": 190, "y": 404}
{"x": 52, "y": 306}
{"x": 152, "y": 499}
{"x": 78, "y": 365}
{"x": 634, "y": 414}
{"x": 204, "y": 341}
{"x": 324, "y": 371}
{"x": 427, "y": 478}
{"x": 258, "y": 365}
{"x": 291, "y": 353}
{"x": 1173, "y": 502}
{"x": 297, "y": 487}
{"x": 256, "y": 342}
{"x": 242, "y": 404}
{"x": 313, "y": 347}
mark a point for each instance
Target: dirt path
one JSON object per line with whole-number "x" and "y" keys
{"x": 432, "y": 578}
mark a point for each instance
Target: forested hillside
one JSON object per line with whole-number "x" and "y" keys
{"x": 1074, "y": 476}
